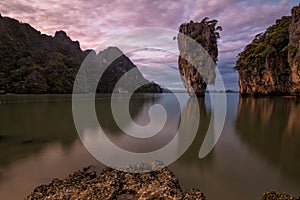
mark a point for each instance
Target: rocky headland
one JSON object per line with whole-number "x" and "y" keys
{"x": 201, "y": 72}
{"x": 270, "y": 65}
{"x": 35, "y": 63}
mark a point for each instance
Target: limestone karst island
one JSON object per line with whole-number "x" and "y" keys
{"x": 146, "y": 100}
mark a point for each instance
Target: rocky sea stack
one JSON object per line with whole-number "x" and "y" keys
{"x": 270, "y": 65}
{"x": 112, "y": 184}
{"x": 201, "y": 72}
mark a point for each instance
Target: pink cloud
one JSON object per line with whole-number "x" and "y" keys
{"x": 93, "y": 20}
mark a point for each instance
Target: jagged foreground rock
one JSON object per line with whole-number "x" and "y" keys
{"x": 270, "y": 65}
{"x": 196, "y": 67}
{"x": 112, "y": 184}
{"x": 272, "y": 195}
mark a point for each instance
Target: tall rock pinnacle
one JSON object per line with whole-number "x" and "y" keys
{"x": 196, "y": 64}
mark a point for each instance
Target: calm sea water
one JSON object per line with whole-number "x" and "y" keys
{"x": 259, "y": 148}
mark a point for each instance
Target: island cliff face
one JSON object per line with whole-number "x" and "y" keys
{"x": 270, "y": 64}
{"x": 34, "y": 63}
{"x": 294, "y": 50}
{"x": 110, "y": 65}
{"x": 196, "y": 76}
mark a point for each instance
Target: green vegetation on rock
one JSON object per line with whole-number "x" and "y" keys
{"x": 34, "y": 63}
{"x": 275, "y": 39}
{"x": 270, "y": 65}
{"x": 31, "y": 62}
{"x": 196, "y": 76}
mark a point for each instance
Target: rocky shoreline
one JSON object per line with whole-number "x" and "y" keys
{"x": 112, "y": 184}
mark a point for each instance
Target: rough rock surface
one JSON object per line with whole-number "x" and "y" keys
{"x": 112, "y": 184}
{"x": 271, "y": 195}
{"x": 270, "y": 64}
{"x": 197, "y": 68}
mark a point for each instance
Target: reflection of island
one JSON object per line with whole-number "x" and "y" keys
{"x": 271, "y": 128}
{"x": 139, "y": 110}
{"x": 185, "y": 123}
{"x": 139, "y": 106}
{"x": 28, "y": 127}
{"x": 188, "y": 117}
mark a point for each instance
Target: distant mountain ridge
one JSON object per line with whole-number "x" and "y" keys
{"x": 35, "y": 63}
{"x": 117, "y": 66}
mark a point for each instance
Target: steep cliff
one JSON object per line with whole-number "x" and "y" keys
{"x": 294, "y": 50}
{"x": 201, "y": 72}
{"x": 111, "y": 64}
{"x": 270, "y": 64}
{"x": 31, "y": 62}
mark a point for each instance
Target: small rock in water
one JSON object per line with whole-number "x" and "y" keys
{"x": 272, "y": 195}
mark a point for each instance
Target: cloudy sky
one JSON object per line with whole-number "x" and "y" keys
{"x": 93, "y": 21}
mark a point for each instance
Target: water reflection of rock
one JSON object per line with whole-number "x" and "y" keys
{"x": 291, "y": 143}
{"x": 188, "y": 116}
{"x": 137, "y": 105}
{"x": 270, "y": 126}
{"x": 51, "y": 161}
{"x": 139, "y": 110}
{"x": 27, "y": 127}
